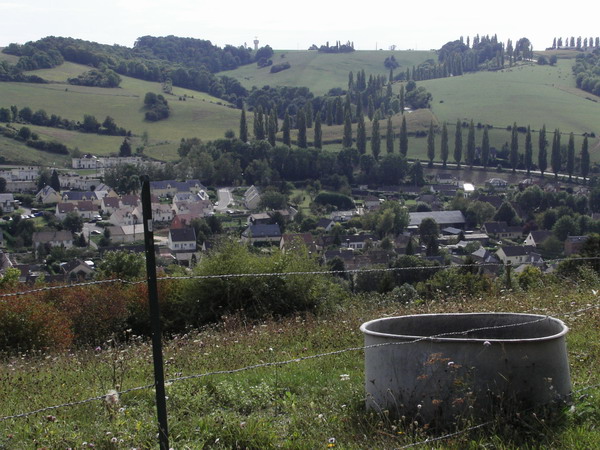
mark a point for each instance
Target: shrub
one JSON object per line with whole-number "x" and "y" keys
{"x": 205, "y": 300}
{"x": 455, "y": 281}
{"x": 31, "y": 324}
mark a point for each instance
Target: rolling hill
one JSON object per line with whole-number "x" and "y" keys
{"x": 527, "y": 94}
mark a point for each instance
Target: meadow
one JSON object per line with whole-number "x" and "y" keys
{"x": 294, "y": 382}
{"x": 527, "y": 94}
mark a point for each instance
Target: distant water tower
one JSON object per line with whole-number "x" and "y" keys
{"x": 255, "y": 43}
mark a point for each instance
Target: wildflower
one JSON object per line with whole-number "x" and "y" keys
{"x": 51, "y": 418}
{"x": 114, "y": 440}
{"x": 344, "y": 377}
{"x": 331, "y": 442}
{"x": 487, "y": 343}
{"x": 112, "y": 398}
{"x": 450, "y": 363}
{"x": 419, "y": 406}
{"x": 98, "y": 349}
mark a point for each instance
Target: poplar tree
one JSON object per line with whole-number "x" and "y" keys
{"x": 431, "y": 144}
{"x": 329, "y": 113}
{"x": 514, "y": 148}
{"x": 361, "y": 135}
{"x": 375, "y": 138}
{"x": 285, "y": 128}
{"x": 308, "y": 112}
{"x": 571, "y": 156}
{"x": 243, "y": 126}
{"x": 259, "y": 126}
{"x": 528, "y": 151}
{"x": 402, "y": 99}
{"x": 301, "y": 125}
{"x": 542, "y": 151}
{"x": 585, "y": 159}
{"x": 485, "y": 147}
{"x": 318, "y": 140}
{"x": 556, "y": 157}
{"x": 458, "y": 147}
{"x": 272, "y": 129}
{"x": 471, "y": 145}
{"x": 403, "y": 138}
{"x": 444, "y": 150}
{"x": 339, "y": 111}
{"x": 371, "y": 108}
{"x": 389, "y": 136}
{"x": 347, "y": 138}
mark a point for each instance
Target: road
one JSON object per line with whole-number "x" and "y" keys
{"x": 225, "y": 198}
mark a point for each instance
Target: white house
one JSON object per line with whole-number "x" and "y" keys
{"x": 7, "y": 203}
{"x": 182, "y": 239}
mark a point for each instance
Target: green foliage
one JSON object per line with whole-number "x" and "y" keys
{"x": 340, "y": 201}
{"x": 206, "y": 300}
{"x": 157, "y": 107}
{"x": 127, "y": 265}
{"x": 455, "y": 281}
{"x": 105, "y": 78}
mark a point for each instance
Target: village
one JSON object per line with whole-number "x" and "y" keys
{"x": 105, "y": 221}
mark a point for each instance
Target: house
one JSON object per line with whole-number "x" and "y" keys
{"x": 496, "y": 183}
{"x": 62, "y": 238}
{"x": 295, "y": 240}
{"x": 442, "y": 218}
{"x": 537, "y": 237}
{"x": 109, "y": 204}
{"x": 79, "y": 196}
{"x": 62, "y": 209}
{"x": 47, "y": 195}
{"x": 124, "y": 216}
{"x": 131, "y": 201}
{"x": 343, "y": 216}
{"x": 501, "y": 230}
{"x": 171, "y": 187}
{"x": 126, "y": 233}
{"x": 262, "y": 234}
{"x": 481, "y": 255}
{"x": 182, "y": 239}
{"x": 573, "y": 244}
{"x": 77, "y": 270}
{"x": 251, "y": 198}
{"x": 518, "y": 254}
{"x": 86, "y": 209}
{"x": 200, "y": 208}
{"x": 7, "y": 203}
{"x": 445, "y": 178}
{"x": 326, "y": 224}
{"x": 160, "y": 212}
{"x": 351, "y": 241}
{"x": 372, "y": 203}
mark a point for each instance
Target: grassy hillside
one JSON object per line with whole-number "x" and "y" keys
{"x": 528, "y": 94}
{"x": 323, "y": 71}
{"x": 300, "y": 404}
{"x": 201, "y": 116}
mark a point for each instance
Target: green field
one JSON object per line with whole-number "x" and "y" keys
{"x": 526, "y": 94}
{"x": 201, "y": 116}
{"x": 320, "y": 71}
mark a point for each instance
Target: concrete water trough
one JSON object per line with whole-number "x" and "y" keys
{"x": 436, "y": 368}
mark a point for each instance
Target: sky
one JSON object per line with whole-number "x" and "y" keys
{"x": 284, "y": 25}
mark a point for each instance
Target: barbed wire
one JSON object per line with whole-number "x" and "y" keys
{"x": 285, "y": 274}
{"x": 278, "y": 364}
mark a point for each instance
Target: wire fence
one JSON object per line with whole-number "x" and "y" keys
{"x": 297, "y": 360}
{"x": 284, "y": 274}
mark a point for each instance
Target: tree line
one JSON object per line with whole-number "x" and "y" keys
{"x": 89, "y": 124}
{"x": 576, "y": 43}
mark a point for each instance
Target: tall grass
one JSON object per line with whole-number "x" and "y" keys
{"x": 311, "y": 403}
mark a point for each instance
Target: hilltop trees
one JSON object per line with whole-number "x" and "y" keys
{"x": 585, "y": 159}
{"x": 514, "y": 148}
{"x": 403, "y": 137}
{"x": 471, "y": 145}
{"x": 485, "y": 147}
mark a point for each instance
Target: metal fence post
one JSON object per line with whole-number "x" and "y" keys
{"x": 157, "y": 356}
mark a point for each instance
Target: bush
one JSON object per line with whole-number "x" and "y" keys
{"x": 279, "y": 67}
{"x": 206, "y": 300}
{"x": 455, "y": 281}
{"x": 31, "y": 324}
